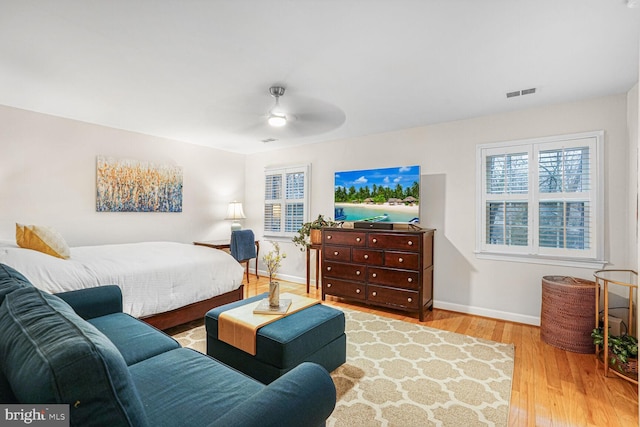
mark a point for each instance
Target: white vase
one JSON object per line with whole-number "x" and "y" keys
{"x": 274, "y": 294}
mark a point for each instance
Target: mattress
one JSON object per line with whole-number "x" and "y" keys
{"x": 154, "y": 276}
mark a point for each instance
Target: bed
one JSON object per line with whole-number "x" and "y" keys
{"x": 163, "y": 283}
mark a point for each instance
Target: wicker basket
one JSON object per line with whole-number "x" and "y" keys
{"x": 568, "y": 313}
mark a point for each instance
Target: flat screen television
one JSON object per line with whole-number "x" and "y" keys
{"x": 390, "y": 195}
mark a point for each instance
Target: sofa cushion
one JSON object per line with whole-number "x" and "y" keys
{"x": 50, "y": 355}
{"x": 134, "y": 339}
{"x": 206, "y": 384}
{"x": 6, "y": 394}
{"x": 10, "y": 280}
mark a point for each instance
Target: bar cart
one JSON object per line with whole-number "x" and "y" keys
{"x": 606, "y": 279}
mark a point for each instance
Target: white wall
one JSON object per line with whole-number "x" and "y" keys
{"x": 633, "y": 119}
{"x": 446, "y": 153}
{"x": 632, "y": 125}
{"x": 48, "y": 177}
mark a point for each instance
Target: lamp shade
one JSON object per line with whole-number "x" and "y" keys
{"x": 235, "y": 212}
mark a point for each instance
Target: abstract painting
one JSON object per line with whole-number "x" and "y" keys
{"x": 126, "y": 185}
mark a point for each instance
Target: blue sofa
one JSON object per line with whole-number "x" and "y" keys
{"x": 79, "y": 348}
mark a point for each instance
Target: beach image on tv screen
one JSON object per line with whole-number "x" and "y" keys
{"x": 378, "y": 195}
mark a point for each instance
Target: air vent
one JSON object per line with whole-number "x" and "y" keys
{"x": 269, "y": 140}
{"x": 521, "y": 92}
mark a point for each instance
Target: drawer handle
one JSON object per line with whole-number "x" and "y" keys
{"x": 357, "y": 272}
{"x": 329, "y": 268}
{"x": 410, "y": 243}
{"x": 335, "y": 253}
{"x": 374, "y": 293}
{"x": 375, "y": 240}
{"x": 366, "y": 256}
{"x": 374, "y": 275}
{"x": 409, "y": 280}
{"x": 409, "y": 299}
{"x": 328, "y": 285}
{"x": 357, "y": 291}
{"x": 400, "y": 259}
{"x": 358, "y": 239}
{"x": 329, "y": 237}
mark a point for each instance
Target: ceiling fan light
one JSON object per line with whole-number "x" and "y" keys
{"x": 277, "y": 120}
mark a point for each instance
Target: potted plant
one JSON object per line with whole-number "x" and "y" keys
{"x": 310, "y": 232}
{"x": 623, "y": 349}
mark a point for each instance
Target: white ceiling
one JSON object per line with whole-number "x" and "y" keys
{"x": 199, "y": 70}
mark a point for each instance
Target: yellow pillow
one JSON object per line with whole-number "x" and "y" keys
{"x": 42, "y": 239}
{"x": 19, "y": 233}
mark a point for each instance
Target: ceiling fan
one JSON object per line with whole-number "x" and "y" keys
{"x": 292, "y": 116}
{"x": 298, "y": 116}
{"x": 277, "y": 117}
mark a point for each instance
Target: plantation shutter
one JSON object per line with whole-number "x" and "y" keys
{"x": 273, "y": 203}
{"x": 294, "y": 199}
{"x": 566, "y": 197}
{"x": 286, "y": 200}
{"x": 542, "y": 197}
{"x": 506, "y": 199}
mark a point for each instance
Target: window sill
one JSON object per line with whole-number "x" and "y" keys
{"x": 530, "y": 259}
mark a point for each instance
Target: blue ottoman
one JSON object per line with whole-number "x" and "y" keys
{"x": 315, "y": 334}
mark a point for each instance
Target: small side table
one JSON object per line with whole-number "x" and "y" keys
{"x": 318, "y": 249}
{"x": 226, "y": 244}
{"x": 627, "y": 279}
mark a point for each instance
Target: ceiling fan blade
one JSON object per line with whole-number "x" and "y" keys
{"x": 247, "y": 115}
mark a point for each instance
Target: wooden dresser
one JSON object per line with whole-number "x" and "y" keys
{"x": 379, "y": 267}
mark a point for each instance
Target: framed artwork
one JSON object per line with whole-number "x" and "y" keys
{"x": 126, "y": 185}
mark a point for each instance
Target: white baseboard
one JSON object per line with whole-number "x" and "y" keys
{"x": 494, "y": 314}
{"x": 478, "y": 311}
{"x": 288, "y": 278}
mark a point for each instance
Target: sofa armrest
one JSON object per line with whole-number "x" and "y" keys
{"x": 94, "y": 302}
{"x": 304, "y": 396}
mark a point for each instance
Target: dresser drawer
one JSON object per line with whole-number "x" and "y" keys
{"x": 343, "y": 288}
{"x": 344, "y": 271}
{"x": 367, "y": 256}
{"x": 407, "y": 260}
{"x": 337, "y": 253}
{"x": 381, "y": 295}
{"x": 408, "y": 242}
{"x": 344, "y": 238}
{"x": 393, "y": 277}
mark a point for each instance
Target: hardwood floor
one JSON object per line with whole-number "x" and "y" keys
{"x": 551, "y": 387}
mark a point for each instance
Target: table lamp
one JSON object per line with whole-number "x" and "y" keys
{"x": 234, "y": 213}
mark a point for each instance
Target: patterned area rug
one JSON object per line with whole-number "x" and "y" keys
{"x": 403, "y": 374}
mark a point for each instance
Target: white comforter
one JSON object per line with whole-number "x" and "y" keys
{"x": 154, "y": 276}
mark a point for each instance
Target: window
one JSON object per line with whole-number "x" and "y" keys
{"x": 542, "y": 198}
{"x": 286, "y": 200}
